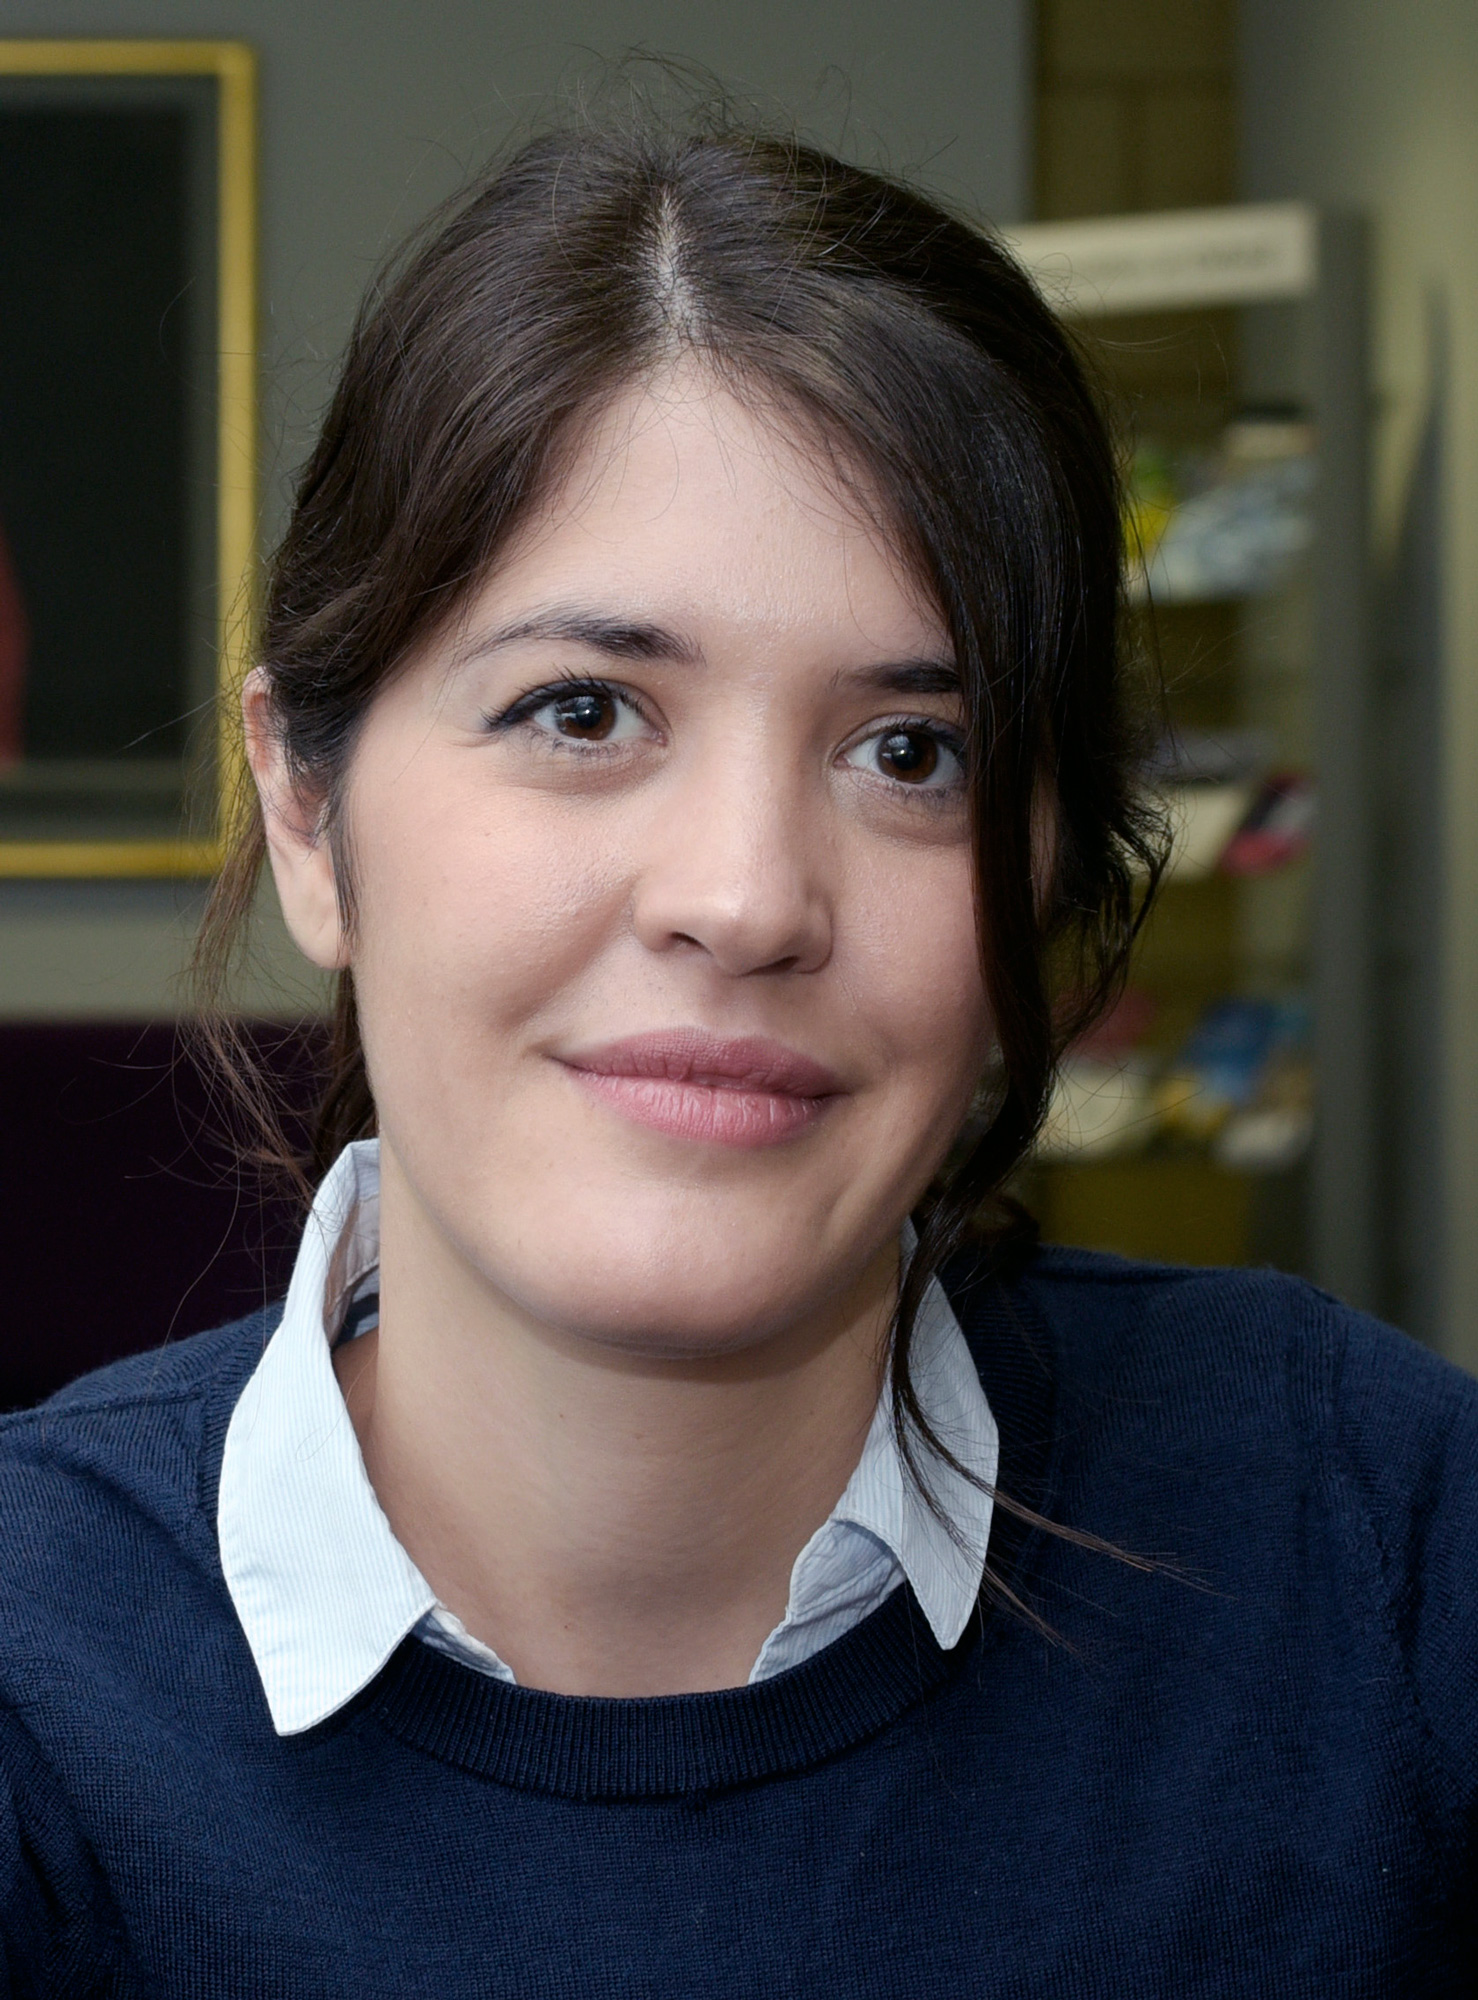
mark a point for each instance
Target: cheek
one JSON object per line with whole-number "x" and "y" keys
{"x": 916, "y": 962}
{"x": 474, "y": 911}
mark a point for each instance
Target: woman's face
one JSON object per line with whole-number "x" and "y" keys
{"x": 665, "y": 947}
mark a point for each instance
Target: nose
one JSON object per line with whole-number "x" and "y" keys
{"x": 736, "y": 866}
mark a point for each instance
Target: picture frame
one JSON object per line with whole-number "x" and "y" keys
{"x": 128, "y": 450}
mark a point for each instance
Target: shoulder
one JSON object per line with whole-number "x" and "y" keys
{"x": 108, "y": 1567}
{"x": 1240, "y": 1346}
{"x": 129, "y": 1397}
{"x": 113, "y": 1471}
{"x": 1274, "y": 1434}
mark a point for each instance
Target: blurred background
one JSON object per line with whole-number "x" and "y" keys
{"x": 1263, "y": 220}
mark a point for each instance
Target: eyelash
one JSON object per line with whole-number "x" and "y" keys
{"x": 525, "y": 707}
{"x": 936, "y": 797}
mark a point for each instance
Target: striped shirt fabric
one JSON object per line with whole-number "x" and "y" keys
{"x": 325, "y": 1593}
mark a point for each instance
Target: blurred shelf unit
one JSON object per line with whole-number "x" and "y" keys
{"x": 1225, "y": 1113}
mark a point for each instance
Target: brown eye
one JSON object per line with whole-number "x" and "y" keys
{"x": 908, "y": 754}
{"x": 921, "y": 756}
{"x": 590, "y": 715}
{"x": 587, "y": 713}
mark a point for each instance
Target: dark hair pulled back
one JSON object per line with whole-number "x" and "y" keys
{"x": 915, "y": 352}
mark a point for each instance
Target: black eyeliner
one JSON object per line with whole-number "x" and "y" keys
{"x": 523, "y": 706}
{"x": 948, "y": 733}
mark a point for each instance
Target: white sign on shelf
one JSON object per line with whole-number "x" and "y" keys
{"x": 1186, "y": 257}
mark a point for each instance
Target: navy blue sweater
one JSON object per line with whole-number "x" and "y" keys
{"x": 1254, "y": 1773}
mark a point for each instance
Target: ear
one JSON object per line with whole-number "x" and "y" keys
{"x": 302, "y": 859}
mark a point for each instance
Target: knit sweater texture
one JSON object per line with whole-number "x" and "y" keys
{"x": 1251, "y": 1770}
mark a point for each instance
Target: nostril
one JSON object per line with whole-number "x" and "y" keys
{"x": 755, "y": 926}
{"x": 791, "y": 962}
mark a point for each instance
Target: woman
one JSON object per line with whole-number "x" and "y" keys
{"x": 676, "y": 1537}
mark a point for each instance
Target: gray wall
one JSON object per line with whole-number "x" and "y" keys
{"x": 1373, "y": 104}
{"x": 374, "y": 109}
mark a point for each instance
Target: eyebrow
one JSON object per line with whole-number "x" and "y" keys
{"x": 617, "y": 638}
{"x": 640, "y": 639}
{"x": 907, "y": 677}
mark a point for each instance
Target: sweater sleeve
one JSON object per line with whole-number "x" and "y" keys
{"x": 1407, "y": 1429}
{"x": 60, "y": 1938}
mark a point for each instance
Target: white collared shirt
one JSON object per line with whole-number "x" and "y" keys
{"x": 325, "y": 1593}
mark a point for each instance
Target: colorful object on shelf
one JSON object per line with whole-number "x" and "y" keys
{"x": 1236, "y": 539}
{"x": 1227, "y": 1060}
{"x": 1278, "y": 828}
{"x": 1241, "y": 1084}
{"x": 1274, "y": 1131}
{"x": 1244, "y": 518}
{"x": 1151, "y": 496}
{"x": 1204, "y": 820}
{"x": 1226, "y": 811}
{"x": 1207, "y": 780}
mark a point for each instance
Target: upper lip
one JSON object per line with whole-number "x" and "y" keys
{"x": 724, "y": 1062}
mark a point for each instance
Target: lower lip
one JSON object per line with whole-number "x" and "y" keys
{"x": 741, "y": 1118}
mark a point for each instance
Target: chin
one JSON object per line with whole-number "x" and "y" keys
{"x": 700, "y": 1307}
{"x": 673, "y": 1292}
{"x": 609, "y": 1238}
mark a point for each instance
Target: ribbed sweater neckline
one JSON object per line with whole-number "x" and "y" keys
{"x": 671, "y": 1746}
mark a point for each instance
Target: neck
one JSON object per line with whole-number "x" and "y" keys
{"x": 609, "y": 1521}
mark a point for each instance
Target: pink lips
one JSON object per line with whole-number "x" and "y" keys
{"x": 743, "y": 1092}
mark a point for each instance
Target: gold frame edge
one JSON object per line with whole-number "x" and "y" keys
{"x": 234, "y": 64}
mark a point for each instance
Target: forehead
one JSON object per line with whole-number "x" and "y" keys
{"x": 682, "y": 497}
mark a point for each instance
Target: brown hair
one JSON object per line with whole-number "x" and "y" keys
{"x": 907, "y": 344}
